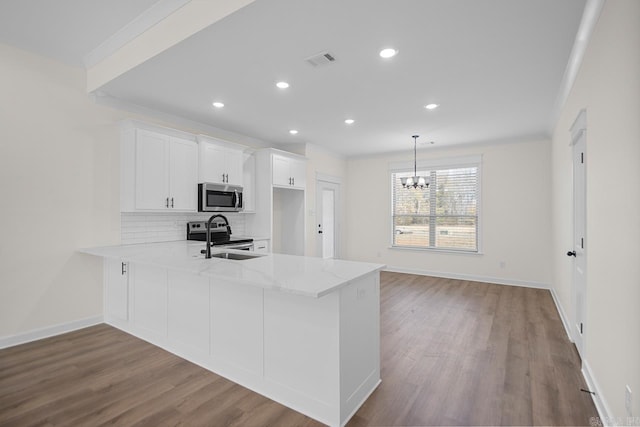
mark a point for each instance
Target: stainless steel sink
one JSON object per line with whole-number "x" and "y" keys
{"x": 233, "y": 255}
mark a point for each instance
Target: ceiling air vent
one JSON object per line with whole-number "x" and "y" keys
{"x": 323, "y": 58}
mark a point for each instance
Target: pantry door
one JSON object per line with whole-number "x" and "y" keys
{"x": 579, "y": 249}
{"x": 327, "y": 217}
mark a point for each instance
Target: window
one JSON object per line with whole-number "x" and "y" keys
{"x": 442, "y": 216}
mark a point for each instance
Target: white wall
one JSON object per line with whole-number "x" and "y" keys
{"x": 515, "y": 214}
{"x": 608, "y": 87}
{"x": 59, "y": 180}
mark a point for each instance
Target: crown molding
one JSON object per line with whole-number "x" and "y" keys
{"x": 590, "y": 17}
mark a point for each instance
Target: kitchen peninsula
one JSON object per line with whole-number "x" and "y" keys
{"x": 302, "y": 331}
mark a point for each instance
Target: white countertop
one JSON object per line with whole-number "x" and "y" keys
{"x": 300, "y": 275}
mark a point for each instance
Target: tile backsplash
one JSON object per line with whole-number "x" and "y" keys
{"x": 167, "y": 226}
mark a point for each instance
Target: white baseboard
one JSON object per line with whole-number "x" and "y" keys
{"x": 49, "y": 331}
{"x": 605, "y": 414}
{"x": 563, "y": 315}
{"x": 471, "y": 277}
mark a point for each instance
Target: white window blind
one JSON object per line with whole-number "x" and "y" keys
{"x": 442, "y": 216}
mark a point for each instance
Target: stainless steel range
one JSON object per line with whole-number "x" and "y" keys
{"x": 220, "y": 235}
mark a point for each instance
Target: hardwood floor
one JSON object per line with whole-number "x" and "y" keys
{"x": 468, "y": 353}
{"x": 453, "y": 353}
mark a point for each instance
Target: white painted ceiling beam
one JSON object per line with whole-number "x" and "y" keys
{"x": 152, "y": 34}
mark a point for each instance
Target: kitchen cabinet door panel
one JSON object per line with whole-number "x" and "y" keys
{"x": 249, "y": 182}
{"x": 150, "y": 300}
{"x": 116, "y": 304}
{"x": 212, "y": 163}
{"x": 234, "y": 159}
{"x": 298, "y": 170}
{"x": 183, "y": 174}
{"x": 220, "y": 163}
{"x": 281, "y": 174}
{"x": 236, "y": 325}
{"x": 188, "y": 312}
{"x": 152, "y": 170}
{"x": 261, "y": 246}
{"x": 289, "y": 172}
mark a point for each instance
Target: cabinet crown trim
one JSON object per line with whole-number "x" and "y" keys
{"x": 275, "y": 151}
{"x": 221, "y": 142}
{"x": 131, "y": 124}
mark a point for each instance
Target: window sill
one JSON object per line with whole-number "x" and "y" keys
{"x": 436, "y": 250}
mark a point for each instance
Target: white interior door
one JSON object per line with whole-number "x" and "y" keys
{"x": 327, "y": 201}
{"x": 578, "y": 251}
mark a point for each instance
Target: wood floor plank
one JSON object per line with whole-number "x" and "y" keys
{"x": 452, "y": 353}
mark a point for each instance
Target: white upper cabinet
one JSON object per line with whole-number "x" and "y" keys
{"x": 249, "y": 182}
{"x": 289, "y": 172}
{"x": 183, "y": 174}
{"x": 220, "y": 162}
{"x": 151, "y": 170}
{"x": 159, "y": 171}
{"x": 281, "y": 175}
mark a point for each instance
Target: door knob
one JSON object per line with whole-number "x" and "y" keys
{"x": 571, "y": 253}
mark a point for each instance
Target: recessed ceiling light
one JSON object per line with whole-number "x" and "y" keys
{"x": 388, "y": 53}
{"x": 349, "y": 121}
{"x": 282, "y": 85}
{"x": 293, "y": 131}
{"x": 431, "y": 106}
{"x": 218, "y": 104}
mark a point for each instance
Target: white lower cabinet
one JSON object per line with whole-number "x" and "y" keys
{"x": 236, "y": 325}
{"x": 188, "y": 312}
{"x": 320, "y": 356}
{"x": 150, "y": 300}
{"x": 261, "y": 246}
{"x": 116, "y": 291}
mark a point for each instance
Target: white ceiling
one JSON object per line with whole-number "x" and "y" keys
{"x": 494, "y": 66}
{"x": 66, "y": 30}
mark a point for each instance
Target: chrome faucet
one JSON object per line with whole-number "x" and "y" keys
{"x": 226, "y": 222}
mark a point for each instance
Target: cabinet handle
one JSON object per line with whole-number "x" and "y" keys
{"x": 293, "y": 180}
{"x": 124, "y": 268}
{"x": 289, "y": 180}
{"x": 222, "y": 177}
{"x": 172, "y": 202}
{"x": 167, "y": 202}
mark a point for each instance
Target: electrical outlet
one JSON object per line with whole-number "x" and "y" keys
{"x": 503, "y": 264}
{"x": 628, "y": 403}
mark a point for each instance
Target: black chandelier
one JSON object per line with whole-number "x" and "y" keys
{"x": 415, "y": 181}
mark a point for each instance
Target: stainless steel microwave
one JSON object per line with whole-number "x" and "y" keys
{"x": 219, "y": 197}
